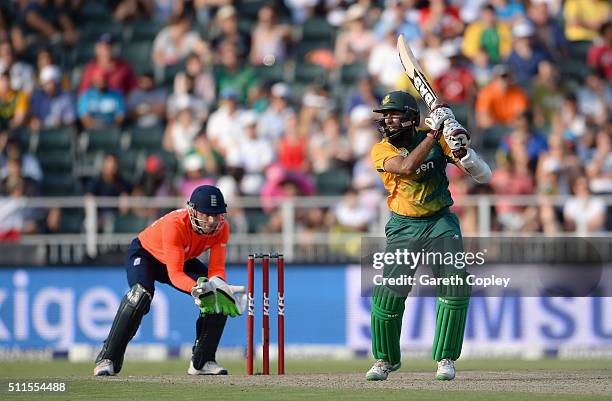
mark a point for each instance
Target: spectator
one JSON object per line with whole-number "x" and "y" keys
{"x": 328, "y": 149}
{"x": 181, "y": 132}
{"x": 582, "y": 212}
{"x": 570, "y": 119}
{"x": 230, "y": 73}
{"x": 546, "y": 95}
{"x": 176, "y": 41}
{"x": 384, "y": 65}
{"x": 117, "y": 74}
{"x": 600, "y": 54}
{"x": 203, "y": 79}
{"x": 109, "y": 183}
{"x": 223, "y": 127}
{"x": 364, "y": 94}
{"x": 292, "y": 148}
{"x": 147, "y": 104}
{"x": 184, "y": 94}
{"x": 193, "y": 166}
{"x": 214, "y": 163}
{"x": 268, "y": 41}
{"x": 51, "y": 107}
{"x": 441, "y": 19}
{"x": 556, "y": 167}
{"x": 361, "y": 132}
{"x": 301, "y": 9}
{"x": 272, "y": 122}
{"x": 549, "y": 33}
{"x": 508, "y": 10}
{"x": 355, "y": 41}
{"x": 252, "y": 155}
{"x": 524, "y": 59}
{"x": 100, "y": 106}
{"x": 13, "y": 104}
{"x": 489, "y": 34}
{"x": 595, "y": 98}
{"x": 46, "y": 19}
{"x": 15, "y": 218}
{"x": 599, "y": 168}
{"x": 434, "y": 56}
{"x": 512, "y": 177}
{"x": 583, "y": 18}
{"x": 351, "y": 214}
{"x": 501, "y": 101}
{"x": 226, "y": 30}
{"x": 524, "y": 132}
{"x": 29, "y": 165}
{"x": 481, "y": 68}
{"x": 456, "y": 83}
{"x": 21, "y": 74}
{"x": 130, "y": 10}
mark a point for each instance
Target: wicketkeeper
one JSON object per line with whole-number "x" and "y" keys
{"x": 167, "y": 252}
{"x": 412, "y": 164}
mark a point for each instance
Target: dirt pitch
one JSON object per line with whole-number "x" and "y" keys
{"x": 578, "y": 383}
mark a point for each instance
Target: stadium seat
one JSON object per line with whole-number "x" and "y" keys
{"x": 104, "y": 139}
{"x": 95, "y": 28}
{"x": 256, "y": 218}
{"x": 83, "y": 52}
{"x": 55, "y": 161}
{"x": 333, "y": 182}
{"x": 149, "y": 139}
{"x": 318, "y": 29}
{"x": 350, "y": 73}
{"x": 131, "y": 164}
{"x": 94, "y": 11}
{"x": 170, "y": 162}
{"x": 309, "y": 73}
{"x": 491, "y": 137}
{"x": 71, "y": 221}
{"x": 248, "y": 9}
{"x": 144, "y": 31}
{"x": 273, "y": 73}
{"x": 170, "y": 72}
{"x": 55, "y": 139}
{"x": 129, "y": 223}
{"x": 138, "y": 54}
{"x": 60, "y": 185}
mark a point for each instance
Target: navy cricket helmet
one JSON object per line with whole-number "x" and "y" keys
{"x": 207, "y": 199}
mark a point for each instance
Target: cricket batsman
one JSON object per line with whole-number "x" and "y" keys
{"x": 412, "y": 163}
{"x": 167, "y": 252}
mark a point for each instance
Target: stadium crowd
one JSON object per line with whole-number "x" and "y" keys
{"x": 273, "y": 99}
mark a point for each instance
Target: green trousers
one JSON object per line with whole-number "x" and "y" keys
{"x": 439, "y": 233}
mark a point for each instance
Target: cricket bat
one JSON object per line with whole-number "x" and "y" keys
{"x": 415, "y": 73}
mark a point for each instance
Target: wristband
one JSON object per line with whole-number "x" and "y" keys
{"x": 435, "y": 134}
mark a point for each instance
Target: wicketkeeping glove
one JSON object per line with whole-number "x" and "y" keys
{"x": 438, "y": 115}
{"x": 204, "y": 296}
{"x": 455, "y": 135}
{"x": 230, "y": 299}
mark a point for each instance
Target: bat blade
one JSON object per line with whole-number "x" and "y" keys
{"x": 415, "y": 73}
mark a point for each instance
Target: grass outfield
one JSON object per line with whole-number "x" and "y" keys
{"x": 336, "y": 380}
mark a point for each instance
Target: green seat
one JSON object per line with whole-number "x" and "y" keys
{"x": 491, "y": 137}
{"x": 56, "y": 139}
{"x": 131, "y": 164}
{"x": 350, "y": 73}
{"x": 71, "y": 221}
{"x": 170, "y": 162}
{"x": 462, "y": 113}
{"x": 310, "y": 73}
{"x": 95, "y": 28}
{"x": 302, "y": 49}
{"x": 145, "y": 30}
{"x": 129, "y": 223}
{"x": 104, "y": 139}
{"x": 83, "y": 52}
{"x": 149, "y": 139}
{"x": 248, "y": 9}
{"x": 55, "y": 161}
{"x": 170, "y": 72}
{"x": 256, "y": 219}
{"x": 333, "y": 182}
{"x": 317, "y": 28}
{"x": 138, "y": 54}
{"x": 273, "y": 73}
{"x": 60, "y": 185}
{"x": 94, "y": 11}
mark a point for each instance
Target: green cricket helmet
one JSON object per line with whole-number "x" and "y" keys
{"x": 403, "y": 102}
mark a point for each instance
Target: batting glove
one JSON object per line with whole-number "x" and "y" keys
{"x": 438, "y": 116}
{"x": 455, "y": 135}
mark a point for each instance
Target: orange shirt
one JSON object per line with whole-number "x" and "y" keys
{"x": 172, "y": 241}
{"x": 503, "y": 107}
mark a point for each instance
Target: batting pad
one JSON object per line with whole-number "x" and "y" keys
{"x": 451, "y": 314}
{"x": 387, "y": 312}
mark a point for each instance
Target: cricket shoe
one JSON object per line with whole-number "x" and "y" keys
{"x": 209, "y": 368}
{"x": 446, "y": 369}
{"x": 381, "y": 369}
{"x": 104, "y": 368}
